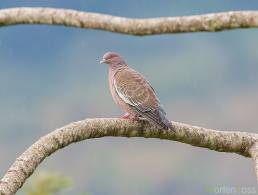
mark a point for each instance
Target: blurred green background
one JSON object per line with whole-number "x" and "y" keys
{"x": 50, "y": 76}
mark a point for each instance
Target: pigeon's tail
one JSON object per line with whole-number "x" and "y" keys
{"x": 165, "y": 122}
{"x": 158, "y": 117}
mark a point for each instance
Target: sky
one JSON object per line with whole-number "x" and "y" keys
{"x": 51, "y": 76}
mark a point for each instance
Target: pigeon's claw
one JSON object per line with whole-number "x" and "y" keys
{"x": 125, "y": 116}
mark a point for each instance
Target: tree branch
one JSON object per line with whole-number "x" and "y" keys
{"x": 254, "y": 155}
{"x": 222, "y": 141}
{"x": 163, "y": 25}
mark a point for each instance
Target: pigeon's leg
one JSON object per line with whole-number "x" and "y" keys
{"x": 131, "y": 117}
{"x": 125, "y": 116}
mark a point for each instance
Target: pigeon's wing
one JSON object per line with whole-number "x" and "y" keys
{"x": 136, "y": 91}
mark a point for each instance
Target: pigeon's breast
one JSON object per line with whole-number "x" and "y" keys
{"x": 124, "y": 106}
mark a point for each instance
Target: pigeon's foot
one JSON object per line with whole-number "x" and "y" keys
{"x": 125, "y": 116}
{"x": 130, "y": 117}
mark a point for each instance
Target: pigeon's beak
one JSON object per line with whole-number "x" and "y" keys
{"x": 103, "y": 61}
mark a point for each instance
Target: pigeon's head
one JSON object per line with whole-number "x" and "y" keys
{"x": 113, "y": 59}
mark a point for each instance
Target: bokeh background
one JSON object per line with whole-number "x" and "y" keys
{"x": 50, "y": 76}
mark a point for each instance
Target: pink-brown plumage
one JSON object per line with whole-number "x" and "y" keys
{"x": 133, "y": 93}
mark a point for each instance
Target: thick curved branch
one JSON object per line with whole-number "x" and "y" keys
{"x": 197, "y": 23}
{"x": 223, "y": 141}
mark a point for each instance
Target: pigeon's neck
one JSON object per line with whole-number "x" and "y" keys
{"x": 117, "y": 66}
{"x": 113, "y": 70}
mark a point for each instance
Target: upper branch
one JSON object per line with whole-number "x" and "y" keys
{"x": 222, "y": 141}
{"x": 197, "y": 23}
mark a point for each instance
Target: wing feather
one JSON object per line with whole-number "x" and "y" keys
{"x": 136, "y": 91}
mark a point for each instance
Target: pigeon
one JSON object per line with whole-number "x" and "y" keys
{"x": 133, "y": 93}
